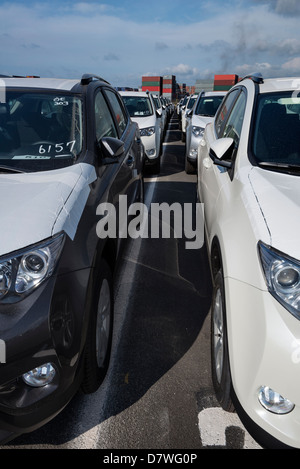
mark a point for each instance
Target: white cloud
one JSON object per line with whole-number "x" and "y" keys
{"x": 292, "y": 65}
{"x": 70, "y": 38}
{"x": 246, "y": 69}
{"x": 182, "y": 69}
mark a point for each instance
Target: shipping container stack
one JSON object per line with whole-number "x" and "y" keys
{"x": 169, "y": 87}
{"x": 224, "y": 82}
{"x": 152, "y": 84}
{"x": 190, "y": 89}
{"x": 180, "y": 90}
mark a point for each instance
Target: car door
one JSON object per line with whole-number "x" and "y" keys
{"x": 213, "y": 177}
{"x": 130, "y": 164}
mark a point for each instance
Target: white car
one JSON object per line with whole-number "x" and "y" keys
{"x": 178, "y": 106}
{"x": 185, "y": 110}
{"x": 248, "y": 181}
{"x": 142, "y": 110}
{"x": 162, "y": 113}
{"x": 198, "y": 117}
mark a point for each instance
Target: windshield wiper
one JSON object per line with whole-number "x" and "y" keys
{"x": 9, "y": 169}
{"x": 293, "y": 168}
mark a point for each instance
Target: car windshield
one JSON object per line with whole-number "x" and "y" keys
{"x": 138, "y": 106}
{"x": 208, "y": 105}
{"x": 39, "y": 130}
{"x": 276, "y": 135}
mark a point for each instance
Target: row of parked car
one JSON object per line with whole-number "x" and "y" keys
{"x": 69, "y": 147}
{"x": 248, "y": 167}
{"x": 194, "y": 113}
{"x": 152, "y": 114}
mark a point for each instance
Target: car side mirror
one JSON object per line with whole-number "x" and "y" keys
{"x": 111, "y": 149}
{"x": 221, "y": 151}
{"x": 158, "y": 112}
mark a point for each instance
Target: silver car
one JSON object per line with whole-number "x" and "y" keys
{"x": 201, "y": 114}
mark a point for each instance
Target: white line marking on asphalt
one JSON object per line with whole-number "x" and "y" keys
{"x": 213, "y": 423}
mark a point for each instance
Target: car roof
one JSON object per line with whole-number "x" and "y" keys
{"x": 280, "y": 84}
{"x": 214, "y": 93}
{"x": 269, "y": 85}
{"x": 46, "y": 83}
{"x": 134, "y": 93}
{"x": 65, "y": 84}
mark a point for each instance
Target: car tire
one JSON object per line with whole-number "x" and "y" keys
{"x": 155, "y": 167}
{"x": 189, "y": 168}
{"x": 99, "y": 336}
{"x": 221, "y": 375}
{"x": 141, "y": 190}
{"x": 183, "y": 139}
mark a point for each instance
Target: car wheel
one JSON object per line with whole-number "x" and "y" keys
{"x": 99, "y": 336}
{"x": 221, "y": 376}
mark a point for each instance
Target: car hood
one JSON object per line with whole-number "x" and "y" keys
{"x": 201, "y": 121}
{"x": 278, "y": 196}
{"x": 35, "y": 206}
{"x": 144, "y": 122}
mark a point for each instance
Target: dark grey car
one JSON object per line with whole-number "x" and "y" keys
{"x": 67, "y": 147}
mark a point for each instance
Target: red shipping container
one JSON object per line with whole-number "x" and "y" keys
{"x": 151, "y": 88}
{"x": 225, "y": 82}
{"x": 158, "y": 79}
{"x": 226, "y": 77}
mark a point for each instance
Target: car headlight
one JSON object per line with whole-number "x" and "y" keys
{"x": 282, "y": 276}
{"x": 147, "y": 131}
{"x": 24, "y": 270}
{"x": 198, "y": 131}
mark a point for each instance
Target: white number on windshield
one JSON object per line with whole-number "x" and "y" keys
{"x": 57, "y": 147}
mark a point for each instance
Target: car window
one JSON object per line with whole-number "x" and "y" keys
{"x": 208, "y": 105}
{"x": 233, "y": 125}
{"x": 138, "y": 106}
{"x": 222, "y": 113}
{"x": 119, "y": 111}
{"x": 105, "y": 126}
{"x": 277, "y": 128}
{"x": 191, "y": 103}
{"x": 157, "y": 102}
{"x": 40, "y": 130}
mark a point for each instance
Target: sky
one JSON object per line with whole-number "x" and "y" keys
{"x": 125, "y": 40}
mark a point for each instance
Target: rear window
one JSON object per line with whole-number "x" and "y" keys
{"x": 138, "y": 106}
{"x": 208, "y": 106}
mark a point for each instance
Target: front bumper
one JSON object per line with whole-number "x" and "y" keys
{"x": 264, "y": 349}
{"x": 151, "y": 148}
{"x": 192, "y": 153}
{"x": 48, "y": 326}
